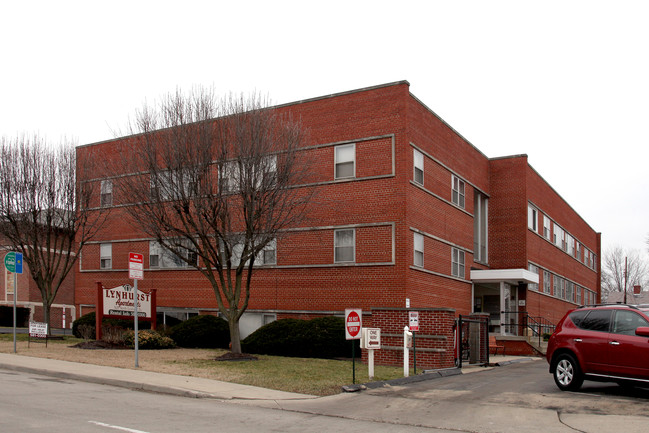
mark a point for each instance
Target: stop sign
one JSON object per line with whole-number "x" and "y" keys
{"x": 353, "y": 324}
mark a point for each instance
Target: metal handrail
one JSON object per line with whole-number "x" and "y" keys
{"x": 536, "y": 324}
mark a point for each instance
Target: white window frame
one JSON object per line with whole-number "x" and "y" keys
{"x": 267, "y": 255}
{"x": 345, "y": 154}
{"x": 161, "y": 258}
{"x": 458, "y": 191}
{"x": 547, "y": 282}
{"x": 480, "y": 227}
{"x": 106, "y": 256}
{"x": 418, "y": 247}
{"x": 106, "y": 193}
{"x": 532, "y": 218}
{"x": 559, "y": 236}
{"x": 535, "y": 269}
{"x": 418, "y": 167}
{"x": 546, "y": 227}
{"x": 338, "y": 248}
{"x": 458, "y": 263}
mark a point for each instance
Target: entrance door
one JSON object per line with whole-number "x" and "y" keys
{"x": 509, "y": 304}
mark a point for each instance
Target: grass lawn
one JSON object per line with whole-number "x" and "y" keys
{"x": 302, "y": 375}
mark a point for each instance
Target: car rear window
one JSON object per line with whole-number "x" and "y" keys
{"x": 595, "y": 320}
{"x": 577, "y": 316}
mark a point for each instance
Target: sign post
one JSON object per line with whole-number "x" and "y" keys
{"x": 14, "y": 264}
{"x": 413, "y": 317}
{"x": 371, "y": 340}
{"x": 135, "y": 272}
{"x": 353, "y": 325}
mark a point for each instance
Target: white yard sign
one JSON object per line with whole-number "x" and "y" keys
{"x": 119, "y": 301}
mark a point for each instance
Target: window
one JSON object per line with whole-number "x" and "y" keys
{"x": 458, "y": 192}
{"x": 106, "y": 256}
{"x": 570, "y": 291}
{"x": 344, "y": 245}
{"x": 345, "y": 158}
{"x": 418, "y": 174}
{"x": 532, "y": 218}
{"x": 547, "y": 282}
{"x": 577, "y": 250}
{"x": 578, "y": 294}
{"x": 596, "y": 320}
{"x": 535, "y": 269}
{"x": 558, "y": 287}
{"x": 268, "y": 255}
{"x": 480, "y": 227}
{"x": 457, "y": 263}
{"x": 418, "y": 259}
{"x": 569, "y": 244}
{"x": 558, "y": 236}
{"x": 106, "y": 195}
{"x": 229, "y": 181}
{"x": 160, "y": 257}
{"x": 626, "y": 322}
{"x": 546, "y": 227}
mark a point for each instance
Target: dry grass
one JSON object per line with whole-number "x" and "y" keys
{"x": 307, "y": 376}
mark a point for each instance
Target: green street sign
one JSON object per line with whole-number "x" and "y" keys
{"x": 14, "y": 262}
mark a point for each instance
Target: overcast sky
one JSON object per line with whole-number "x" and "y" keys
{"x": 565, "y": 82}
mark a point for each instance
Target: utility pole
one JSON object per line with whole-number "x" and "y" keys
{"x": 625, "y": 275}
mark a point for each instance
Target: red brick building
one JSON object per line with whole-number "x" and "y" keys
{"x": 406, "y": 208}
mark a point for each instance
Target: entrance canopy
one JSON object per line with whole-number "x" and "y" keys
{"x": 511, "y": 276}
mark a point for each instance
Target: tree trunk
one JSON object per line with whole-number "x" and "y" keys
{"x": 235, "y": 335}
{"x": 46, "y": 316}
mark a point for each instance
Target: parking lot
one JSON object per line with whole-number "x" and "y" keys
{"x": 517, "y": 397}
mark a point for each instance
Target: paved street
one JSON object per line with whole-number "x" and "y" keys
{"x": 513, "y": 398}
{"x": 34, "y": 403}
{"x": 518, "y": 396}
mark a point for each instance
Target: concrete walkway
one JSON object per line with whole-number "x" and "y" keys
{"x": 198, "y": 387}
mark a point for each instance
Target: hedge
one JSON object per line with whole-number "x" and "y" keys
{"x": 204, "y": 331}
{"x": 317, "y": 338}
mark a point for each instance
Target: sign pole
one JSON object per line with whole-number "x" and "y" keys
{"x": 15, "y": 296}
{"x": 353, "y": 326}
{"x": 14, "y": 264}
{"x": 136, "y": 321}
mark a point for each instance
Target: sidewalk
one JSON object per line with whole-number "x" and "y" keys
{"x": 189, "y": 386}
{"x": 185, "y": 386}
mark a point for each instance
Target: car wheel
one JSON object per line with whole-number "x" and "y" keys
{"x": 567, "y": 374}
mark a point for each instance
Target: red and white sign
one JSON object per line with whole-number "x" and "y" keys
{"x": 414, "y": 320}
{"x": 353, "y": 324}
{"x": 135, "y": 266}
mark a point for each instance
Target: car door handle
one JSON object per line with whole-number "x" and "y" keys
{"x": 614, "y": 343}
{"x": 577, "y": 340}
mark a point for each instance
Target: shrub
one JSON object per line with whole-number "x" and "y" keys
{"x": 318, "y": 338}
{"x": 113, "y": 334}
{"x": 88, "y": 321}
{"x": 204, "y": 331}
{"x": 148, "y": 339}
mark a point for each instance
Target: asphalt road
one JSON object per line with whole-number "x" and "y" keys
{"x": 34, "y": 403}
{"x": 513, "y": 398}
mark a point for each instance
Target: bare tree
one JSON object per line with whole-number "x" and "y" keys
{"x": 214, "y": 182}
{"x": 42, "y": 213}
{"x": 613, "y": 270}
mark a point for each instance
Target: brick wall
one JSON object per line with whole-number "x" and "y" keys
{"x": 434, "y": 341}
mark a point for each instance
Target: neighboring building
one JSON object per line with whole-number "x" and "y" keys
{"x": 406, "y": 209}
{"x": 30, "y": 299}
{"x": 637, "y": 296}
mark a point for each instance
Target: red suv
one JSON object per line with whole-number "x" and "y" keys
{"x": 603, "y": 342}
